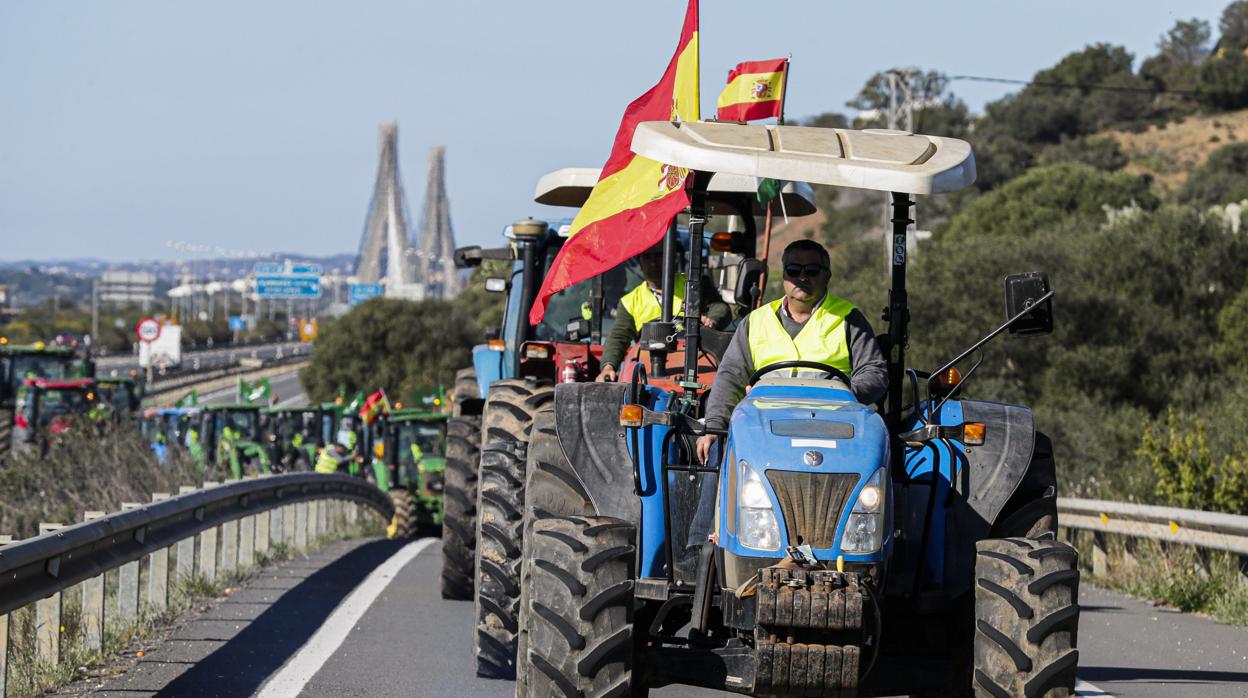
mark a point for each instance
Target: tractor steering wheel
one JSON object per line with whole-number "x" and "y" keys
{"x": 782, "y": 365}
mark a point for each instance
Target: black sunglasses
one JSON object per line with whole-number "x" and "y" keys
{"x": 795, "y": 270}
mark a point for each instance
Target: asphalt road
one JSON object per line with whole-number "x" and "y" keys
{"x": 390, "y": 634}
{"x": 205, "y": 359}
{"x": 285, "y": 386}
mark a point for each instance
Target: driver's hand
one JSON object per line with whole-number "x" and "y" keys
{"x": 607, "y": 374}
{"x": 704, "y": 447}
{"x": 707, "y": 322}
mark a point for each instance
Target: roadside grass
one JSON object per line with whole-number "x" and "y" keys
{"x": 29, "y": 676}
{"x": 1187, "y": 579}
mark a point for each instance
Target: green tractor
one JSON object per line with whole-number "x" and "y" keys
{"x": 410, "y": 445}
{"x": 123, "y": 395}
{"x": 293, "y": 435}
{"x": 232, "y": 438}
{"x": 29, "y": 361}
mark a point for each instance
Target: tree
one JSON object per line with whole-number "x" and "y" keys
{"x": 397, "y": 345}
{"x": 1223, "y": 179}
{"x": 1234, "y": 27}
{"x": 1046, "y": 196}
{"x": 1102, "y": 153}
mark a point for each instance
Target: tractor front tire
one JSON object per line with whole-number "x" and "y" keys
{"x": 459, "y": 517}
{"x": 551, "y": 488}
{"x": 579, "y": 610}
{"x": 404, "y": 521}
{"x": 466, "y": 393}
{"x": 506, "y": 425}
{"x": 1026, "y": 618}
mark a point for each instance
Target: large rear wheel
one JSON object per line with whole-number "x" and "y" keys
{"x": 579, "y": 609}
{"x": 463, "y": 436}
{"x": 506, "y": 426}
{"x": 1026, "y": 618}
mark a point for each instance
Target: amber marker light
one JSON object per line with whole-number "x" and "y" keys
{"x": 721, "y": 242}
{"x": 947, "y": 379}
{"x": 630, "y": 416}
{"x": 973, "y": 434}
{"x": 496, "y": 345}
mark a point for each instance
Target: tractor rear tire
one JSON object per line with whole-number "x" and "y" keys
{"x": 551, "y": 488}
{"x": 466, "y": 393}
{"x": 506, "y": 425}
{"x": 1031, "y": 511}
{"x": 459, "y": 517}
{"x": 404, "y": 520}
{"x": 1026, "y": 618}
{"x": 580, "y": 609}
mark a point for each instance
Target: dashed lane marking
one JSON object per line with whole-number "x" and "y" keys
{"x": 295, "y": 674}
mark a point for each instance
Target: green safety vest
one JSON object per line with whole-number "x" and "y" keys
{"x": 327, "y": 462}
{"x": 644, "y": 307}
{"x": 822, "y": 339}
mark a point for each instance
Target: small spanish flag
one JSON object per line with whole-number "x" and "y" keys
{"x": 755, "y": 91}
{"x": 375, "y": 406}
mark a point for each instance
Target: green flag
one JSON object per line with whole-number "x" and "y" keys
{"x": 768, "y": 189}
{"x": 191, "y": 399}
{"x": 251, "y": 392}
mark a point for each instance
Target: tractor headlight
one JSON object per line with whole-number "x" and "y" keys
{"x": 864, "y": 532}
{"x": 756, "y": 519}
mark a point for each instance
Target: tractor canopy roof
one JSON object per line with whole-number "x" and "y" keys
{"x": 875, "y": 159}
{"x": 289, "y": 410}
{"x": 570, "y": 186}
{"x": 179, "y": 411}
{"x": 36, "y": 348}
{"x": 236, "y": 407}
{"x": 59, "y": 384}
{"x": 413, "y": 414}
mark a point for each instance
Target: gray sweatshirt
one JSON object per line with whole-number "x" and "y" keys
{"x": 868, "y": 375}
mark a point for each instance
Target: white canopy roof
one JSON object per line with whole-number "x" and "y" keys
{"x": 875, "y": 159}
{"x": 570, "y": 186}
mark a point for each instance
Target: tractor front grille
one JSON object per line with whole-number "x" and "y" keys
{"x": 811, "y": 504}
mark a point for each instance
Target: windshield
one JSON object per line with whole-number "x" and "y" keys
{"x": 567, "y": 305}
{"x": 117, "y": 395}
{"x": 243, "y": 422}
{"x": 429, "y": 436}
{"x": 38, "y": 366}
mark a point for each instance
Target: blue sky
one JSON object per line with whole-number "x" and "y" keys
{"x": 252, "y": 126}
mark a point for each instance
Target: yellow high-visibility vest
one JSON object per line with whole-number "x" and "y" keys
{"x": 822, "y": 339}
{"x": 644, "y": 307}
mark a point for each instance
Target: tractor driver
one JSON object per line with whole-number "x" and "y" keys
{"x": 807, "y": 324}
{"x": 645, "y": 304}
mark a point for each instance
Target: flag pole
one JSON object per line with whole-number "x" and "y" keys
{"x": 762, "y": 279}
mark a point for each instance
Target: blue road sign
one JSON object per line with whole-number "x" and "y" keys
{"x": 288, "y": 286}
{"x": 358, "y": 293}
{"x": 236, "y": 323}
{"x": 281, "y": 269}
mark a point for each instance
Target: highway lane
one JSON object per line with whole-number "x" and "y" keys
{"x": 207, "y": 359}
{"x": 364, "y": 618}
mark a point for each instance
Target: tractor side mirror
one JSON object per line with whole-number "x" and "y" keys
{"x": 1022, "y": 294}
{"x": 496, "y": 284}
{"x": 467, "y": 257}
{"x": 749, "y": 271}
{"x": 577, "y": 329}
{"x": 492, "y": 332}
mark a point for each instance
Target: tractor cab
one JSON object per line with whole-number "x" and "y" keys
{"x": 826, "y": 547}
{"x": 38, "y": 360}
{"x": 122, "y": 394}
{"x": 292, "y": 435}
{"x": 166, "y": 428}
{"x": 233, "y": 439}
{"x": 47, "y": 408}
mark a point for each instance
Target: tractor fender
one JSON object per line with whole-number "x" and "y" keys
{"x": 992, "y": 475}
{"x": 587, "y": 422}
{"x": 997, "y": 467}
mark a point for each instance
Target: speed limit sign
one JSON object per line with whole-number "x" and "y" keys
{"x": 148, "y": 329}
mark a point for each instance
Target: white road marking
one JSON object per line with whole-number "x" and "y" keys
{"x": 296, "y": 673}
{"x": 1083, "y": 688}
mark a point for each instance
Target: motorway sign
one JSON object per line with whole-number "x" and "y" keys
{"x": 358, "y": 293}
{"x": 148, "y": 329}
{"x": 237, "y": 323}
{"x": 288, "y": 286}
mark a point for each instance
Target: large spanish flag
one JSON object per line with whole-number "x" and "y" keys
{"x": 635, "y": 199}
{"x": 755, "y": 91}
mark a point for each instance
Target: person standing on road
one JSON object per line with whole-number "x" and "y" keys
{"x": 807, "y": 324}
{"x": 645, "y": 304}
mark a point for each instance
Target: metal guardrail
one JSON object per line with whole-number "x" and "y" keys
{"x": 41, "y": 566}
{"x": 1201, "y": 529}
{"x": 185, "y": 379}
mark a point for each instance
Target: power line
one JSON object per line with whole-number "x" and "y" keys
{"x": 1077, "y": 85}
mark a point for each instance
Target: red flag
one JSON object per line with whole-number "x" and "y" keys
{"x": 374, "y": 406}
{"x": 635, "y": 199}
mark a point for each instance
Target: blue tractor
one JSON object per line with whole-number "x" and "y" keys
{"x": 829, "y": 548}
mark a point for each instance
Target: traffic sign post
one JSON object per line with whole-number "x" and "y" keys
{"x": 288, "y": 280}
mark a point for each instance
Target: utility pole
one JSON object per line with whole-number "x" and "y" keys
{"x": 95, "y": 310}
